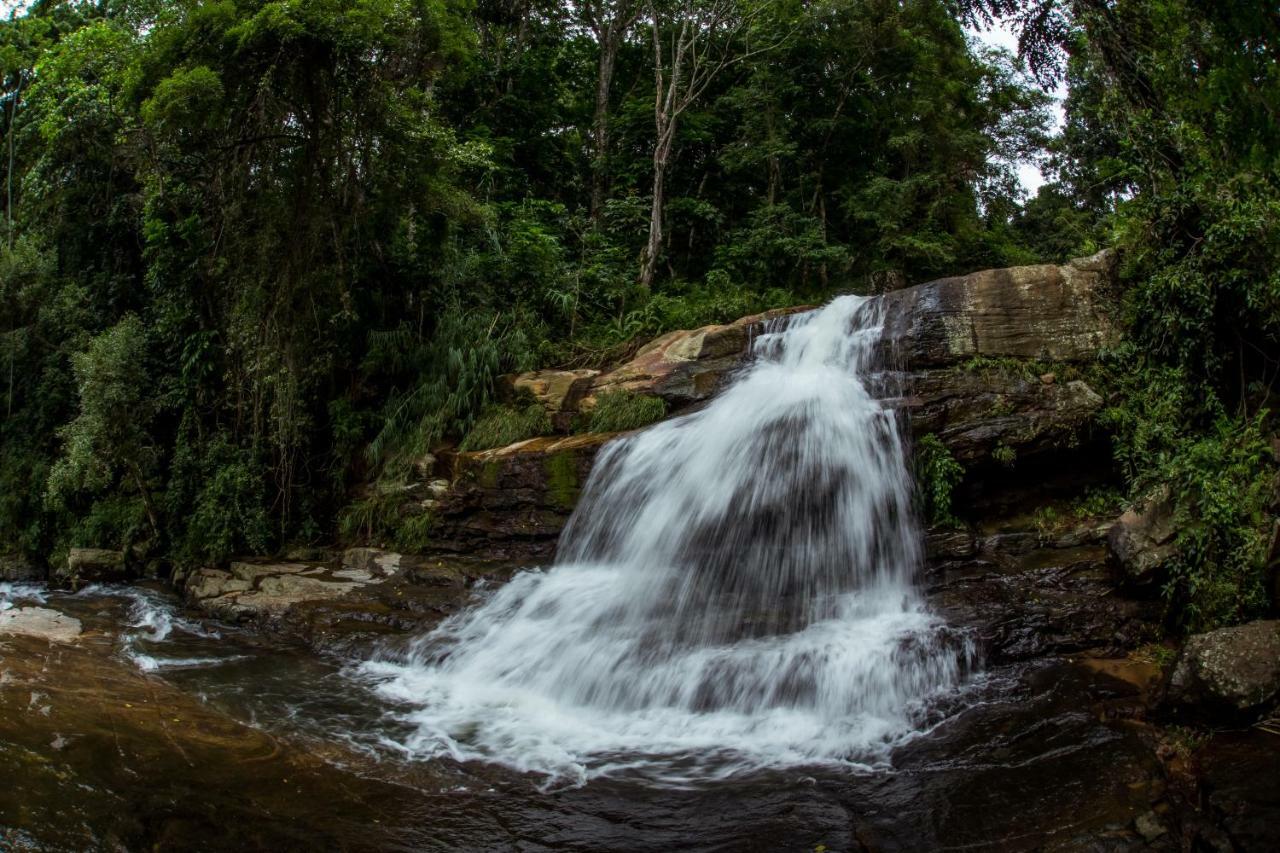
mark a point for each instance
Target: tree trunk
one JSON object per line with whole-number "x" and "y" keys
{"x": 600, "y": 125}
{"x": 649, "y": 261}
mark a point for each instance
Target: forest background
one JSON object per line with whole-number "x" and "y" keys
{"x": 254, "y": 253}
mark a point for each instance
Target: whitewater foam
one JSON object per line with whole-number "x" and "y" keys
{"x": 734, "y": 591}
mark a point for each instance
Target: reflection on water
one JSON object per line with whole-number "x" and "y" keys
{"x": 228, "y": 743}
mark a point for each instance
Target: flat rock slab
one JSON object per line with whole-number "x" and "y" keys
{"x": 39, "y": 622}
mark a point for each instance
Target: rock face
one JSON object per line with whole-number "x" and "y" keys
{"x": 1232, "y": 671}
{"x": 1140, "y": 543}
{"x": 1046, "y": 313}
{"x": 513, "y": 501}
{"x": 974, "y": 352}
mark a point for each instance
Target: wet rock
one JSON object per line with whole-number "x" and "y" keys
{"x": 94, "y": 565}
{"x": 514, "y": 500}
{"x": 1140, "y": 543}
{"x": 949, "y": 544}
{"x": 39, "y": 622}
{"x": 1234, "y": 672}
{"x": 1239, "y": 790}
{"x": 974, "y": 412}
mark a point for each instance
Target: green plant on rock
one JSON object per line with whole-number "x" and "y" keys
{"x": 1004, "y": 454}
{"x": 499, "y": 426}
{"x": 619, "y": 411}
{"x": 937, "y": 475}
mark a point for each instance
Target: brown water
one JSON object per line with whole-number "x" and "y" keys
{"x": 253, "y": 747}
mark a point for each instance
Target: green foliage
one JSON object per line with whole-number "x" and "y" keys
{"x": 937, "y": 474}
{"x": 499, "y": 426}
{"x": 619, "y": 411}
{"x": 109, "y": 435}
{"x": 228, "y": 515}
{"x": 1222, "y": 482}
{"x": 1004, "y": 454}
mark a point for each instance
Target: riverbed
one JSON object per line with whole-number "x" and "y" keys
{"x": 155, "y": 729}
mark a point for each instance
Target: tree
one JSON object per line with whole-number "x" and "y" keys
{"x": 109, "y": 437}
{"x": 694, "y": 41}
{"x": 609, "y": 22}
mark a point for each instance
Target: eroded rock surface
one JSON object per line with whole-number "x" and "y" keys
{"x": 1232, "y": 671}
{"x": 42, "y": 622}
{"x": 94, "y": 565}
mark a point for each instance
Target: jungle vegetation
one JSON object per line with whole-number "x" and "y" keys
{"x": 256, "y": 252}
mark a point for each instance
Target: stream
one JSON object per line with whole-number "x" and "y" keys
{"x": 156, "y": 730}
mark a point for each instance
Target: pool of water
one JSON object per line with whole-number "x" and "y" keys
{"x": 157, "y": 730}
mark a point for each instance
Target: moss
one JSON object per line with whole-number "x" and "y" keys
{"x": 619, "y": 411}
{"x": 562, "y": 479}
{"x": 489, "y": 472}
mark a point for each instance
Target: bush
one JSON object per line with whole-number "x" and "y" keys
{"x": 937, "y": 475}
{"x": 499, "y": 426}
{"x": 619, "y": 411}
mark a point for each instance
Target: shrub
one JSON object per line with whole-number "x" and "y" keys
{"x": 619, "y": 411}
{"x": 937, "y": 475}
{"x": 499, "y": 426}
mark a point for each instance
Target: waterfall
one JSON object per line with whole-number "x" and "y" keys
{"x": 734, "y": 591}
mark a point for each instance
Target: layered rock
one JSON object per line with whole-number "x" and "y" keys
{"x": 93, "y": 565}
{"x": 513, "y": 501}
{"x": 991, "y": 365}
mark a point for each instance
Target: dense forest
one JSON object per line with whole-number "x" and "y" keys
{"x": 254, "y": 253}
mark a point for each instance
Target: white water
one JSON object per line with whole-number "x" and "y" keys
{"x": 733, "y": 592}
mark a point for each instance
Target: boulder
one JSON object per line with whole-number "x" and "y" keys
{"x": 559, "y": 391}
{"x": 1140, "y": 543}
{"x": 94, "y": 565}
{"x": 1233, "y": 672}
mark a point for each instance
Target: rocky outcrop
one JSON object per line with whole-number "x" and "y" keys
{"x": 1044, "y": 313}
{"x": 365, "y": 594}
{"x": 264, "y": 591}
{"x": 1234, "y": 672}
{"x": 992, "y": 363}
{"x": 93, "y": 565}
{"x": 41, "y": 622}
{"x": 513, "y": 501}
{"x": 980, "y": 413}
{"x": 1140, "y": 543}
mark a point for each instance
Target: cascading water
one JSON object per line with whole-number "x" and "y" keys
{"x": 734, "y": 591}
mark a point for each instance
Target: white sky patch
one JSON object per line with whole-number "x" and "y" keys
{"x": 1002, "y": 36}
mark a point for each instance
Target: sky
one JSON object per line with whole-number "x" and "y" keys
{"x": 1001, "y": 36}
